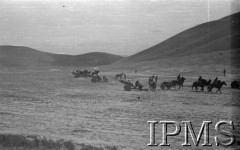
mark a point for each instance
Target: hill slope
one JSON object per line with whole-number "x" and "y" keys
{"x": 218, "y": 35}
{"x": 17, "y": 56}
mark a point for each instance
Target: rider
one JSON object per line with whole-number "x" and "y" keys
{"x": 136, "y": 83}
{"x": 200, "y": 79}
{"x": 215, "y": 80}
{"x": 178, "y": 77}
{"x": 151, "y": 78}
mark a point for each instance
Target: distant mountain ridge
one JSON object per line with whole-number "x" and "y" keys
{"x": 20, "y": 56}
{"x": 222, "y": 34}
{"x": 207, "y": 38}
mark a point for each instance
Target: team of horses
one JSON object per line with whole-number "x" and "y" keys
{"x": 152, "y": 82}
{"x": 217, "y": 84}
{"x": 120, "y": 76}
{"x": 79, "y": 73}
{"x": 173, "y": 84}
{"x": 84, "y": 73}
{"x": 93, "y": 74}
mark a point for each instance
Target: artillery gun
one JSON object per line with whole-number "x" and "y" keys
{"x": 166, "y": 85}
{"x": 128, "y": 85}
{"x": 97, "y": 78}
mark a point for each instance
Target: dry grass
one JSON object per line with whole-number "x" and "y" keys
{"x": 15, "y": 141}
{"x": 52, "y": 104}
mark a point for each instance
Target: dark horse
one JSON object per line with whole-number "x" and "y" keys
{"x": 119, "y": 76}
{"x": 178, "y": 82}
{"x": 153, "y": 83}
{"x": 201, "y": 84}
{"x": 217, "y": 85}
{"x": 138, "y": 85}
{"x": 235, "y": 85}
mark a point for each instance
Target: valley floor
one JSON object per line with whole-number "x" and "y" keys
{"x": 53, "y": 104}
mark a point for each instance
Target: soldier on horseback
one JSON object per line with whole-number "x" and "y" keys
{"x": 151, "y": 79}
{"x": 179, "y": 77}
{"x": 200, "y": 79}
{"x": 216, "y": 80}
{"x": 218, "y": 85}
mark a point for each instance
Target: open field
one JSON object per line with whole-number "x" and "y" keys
{"x": 43, "y": 107}
{"x": 52, "y": 104}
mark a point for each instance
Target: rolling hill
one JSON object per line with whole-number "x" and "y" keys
{"x": 210, "y": 37}
{"x": 18, "y": 56}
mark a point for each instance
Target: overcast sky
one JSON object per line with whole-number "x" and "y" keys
{"x": 121, "y": 27}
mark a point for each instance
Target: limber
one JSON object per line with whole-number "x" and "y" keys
{"x": 188, "y": 129}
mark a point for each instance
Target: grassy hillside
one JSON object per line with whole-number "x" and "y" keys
{"x": 210, "y": 37}
{"x": 16, "y": 56}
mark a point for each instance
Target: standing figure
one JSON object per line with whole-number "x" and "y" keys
{"x": 224, "y": 72}
{"x": 124, "y": 76}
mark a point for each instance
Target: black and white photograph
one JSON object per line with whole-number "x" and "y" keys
{"x": 119, "y": 74}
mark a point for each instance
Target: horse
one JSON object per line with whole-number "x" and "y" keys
{"x": 75, "y": 74}
{"x": 95, "y": 72}
{"x": 138, "y": 85}
{"x": 178, "y": 82}
{"x": 119, "y": 76}
{"x": 235, "y": 85}
{"x": 201, "y": 84}
{"x": 218, "y": 86}
{"x": 153, "y": 83}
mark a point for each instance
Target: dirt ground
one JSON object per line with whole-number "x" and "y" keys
{"x": 52, "y": 103}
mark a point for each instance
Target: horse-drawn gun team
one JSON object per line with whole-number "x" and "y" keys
{"x": 152, "y": 82}
{"x": 93, "y": 74}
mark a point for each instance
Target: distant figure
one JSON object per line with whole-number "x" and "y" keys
{"x": 124, "y": 76}
{"x": 224, "y": 72}
{"x": 135, "y": 71}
